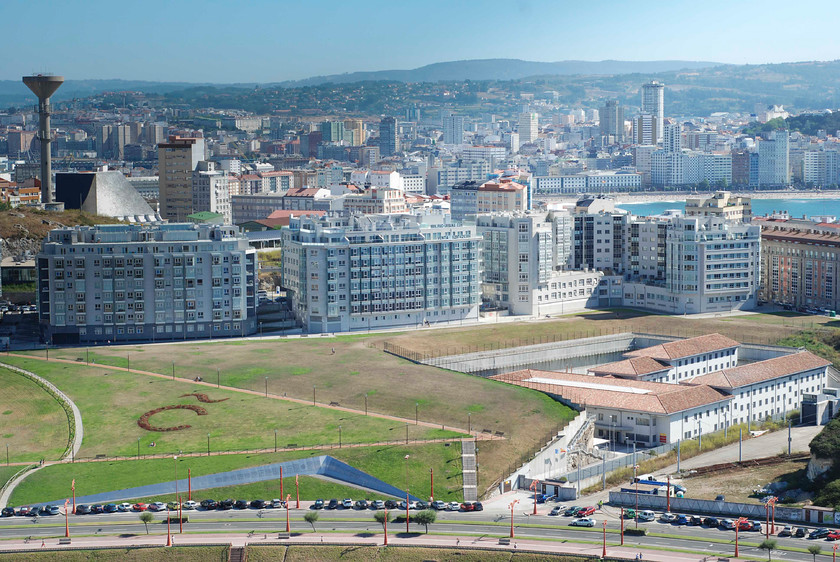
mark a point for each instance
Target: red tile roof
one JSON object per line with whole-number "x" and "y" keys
{"x": 634, "y": 366}
{"x": 761, "y": 371}
{"x": 686, "y": 348}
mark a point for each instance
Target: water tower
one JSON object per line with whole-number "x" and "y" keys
{"x": 43, "y": 87}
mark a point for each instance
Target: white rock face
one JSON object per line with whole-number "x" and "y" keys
{"x": 817, "y": 467}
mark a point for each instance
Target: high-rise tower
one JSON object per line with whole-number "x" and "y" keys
{"x": 653, "y": 102}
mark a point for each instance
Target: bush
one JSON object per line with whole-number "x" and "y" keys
{"x": 635, "y": 532}
{"x": 826, "y": 444}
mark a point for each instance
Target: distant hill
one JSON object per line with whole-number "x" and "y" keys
{"x": 502, "y": 69}
{"x": 14, "y": 92}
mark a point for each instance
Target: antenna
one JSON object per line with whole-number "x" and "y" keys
{"x": 44, "y": 86}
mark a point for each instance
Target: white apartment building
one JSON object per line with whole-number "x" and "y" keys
{"x": 600, "y": 181}
{"x": 653, "y": 103}
{"x": 146, "y": 283}
{"x": 529, "y": 127}
{"x": 774, "y": 159}
{"x": 377, "y": 178}
{"x": 490, "y": 153}
{"x": 210, "y": 190}
{"x": 377, "y": 271}
{"x": 821, "y": 168}
{"x": 453, "y": 129}
{"x": 414, "y": 183}
{"x": 376, "y": 200}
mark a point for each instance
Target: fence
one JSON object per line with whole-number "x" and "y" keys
{"x": 705, "y": 507}
{"x": 614, "y": 464}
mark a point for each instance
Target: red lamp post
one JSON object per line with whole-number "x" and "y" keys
{"x": 180, "y": 517}
{"x": 168, "y": 529}
{"x": 73, "y": 490}
{"x": 772, "y": 501}
{"x": 297, "y": 493}
{"x": 513, "y": 503}
{"x": 534, "y": 485}
{"x": 622, "y": 526}
{"x": 834, "y": 553}
{"x": 288, "y": 497}
{"x": 66, "y": 520}
{"x": 386, "y": 527}
{"x": 406, "y": 491}
{"x": 431, "y": 484}
{"x": 605, "y": 539}
{"x": 737, "y": 528}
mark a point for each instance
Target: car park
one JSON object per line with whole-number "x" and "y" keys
{"x": 583, "y": 522}
{"x": 438, "y": 505}
{"x": 347, "y": 503}
{"x": 378, "y": 504}
{"x": 800, "y": 532}
{"x": 453, "y": 506}
{"x": 647, "y": 515}
{"x": 209, "y": 504}
{"x": 333, "y": 504}
{"x": 786, "y": 531}
{"x": 319, "y": 504}
{"x": 555, "y": 511}
{"x": 711, "y": 522}
{"x": 7, "y": 512}
{"x": 477, "y": 506}
{"x": 667, "y": 517}
{"x": 240, "y": 504}
{"x": 820, "y": 533}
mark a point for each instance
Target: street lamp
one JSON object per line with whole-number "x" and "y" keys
{"x": 208, "y": 444}
{"x": 513, "y": 503}
{"x": 138, "y": 447}
{"x": 275, "y": 441}
{"x": 366, "y": 403}
{"x": 406, "y": 493}
{"x": 737, "y": 528}
{"x": 339, "y": 437}
{"x": 266, "y": 387}
{"x": 605, "y": 539}
{"x": 416, "y": 408}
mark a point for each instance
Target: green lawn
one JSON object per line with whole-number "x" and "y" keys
{"x": 392, "y": 385}
{"x": 385, "y": 463}
{"x": 111, "y": 402}
{"x": 7, "y": 472}
{"x": 171, "y": 554}
{"x": 393, "y": 554}
{"x": 32, "y": 422}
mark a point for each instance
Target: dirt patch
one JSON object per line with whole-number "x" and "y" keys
{"x": 144, "y": 419}
{"x": 738, "y": 484}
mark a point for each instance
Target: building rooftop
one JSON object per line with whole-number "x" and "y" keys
{"x": 760, "y": 371}
{"x": 686, "y": 348}
{"x": 635, "y": 366}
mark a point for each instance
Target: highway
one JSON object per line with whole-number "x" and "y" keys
{"x": 359, "y": 523}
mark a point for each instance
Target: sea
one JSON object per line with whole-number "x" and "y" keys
{"x": 795, "y": 207}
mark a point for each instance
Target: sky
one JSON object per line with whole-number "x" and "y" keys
{"x": 265, "y": 41}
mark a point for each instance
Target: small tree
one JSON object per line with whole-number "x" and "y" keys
{"x": 769, "y": 545}
{"x": 814, "y": 549}
{"x": 311, "y": 517}
{"x": 147, "y": 518}
{"x": 382, "y": 517}
{"x": 425, "y": 517}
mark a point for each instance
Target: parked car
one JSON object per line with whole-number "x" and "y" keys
{"x": 421, "y": 505}
{"x": 583, "y": 522}
{"x": 727, "y": 524}
{"x": 110, "y": 508}
{"x": 833, "y": 535}
{"x": 226, "y": 504}
{"x": 209, "y": 504}
{"x": 125, "y": 506}
{"x": 477, "y": 506}
{"x": 437, "y": 504}
{"x": 453, "y": 506}
{"x": 258, "y": 504}
{"x": 667, "y": 517}
{"x": 570, "y": 512}
{"x": 467, "y": 506}
{"x": 24, "y": 510}
{"x": 347, "y": 503}
{"x": 54, "y": 510}
{"x": 681, "y": 520}
{"x": 96, "y": 508}
{"x": 333, "y": 504}
{"x": 745, "y": 526}
{"x": 800, "y": 532}
{"x": 361, "y": 504}
{"x": 157, "y": 506}
{"x": 755, "y": 526}
{"x": 586, "y": 511}
{"x": 7, "y": 512}
{"x": 711, "y": 522}
{"x": 786, "y": 531}
{"x": 84, "y": 509}
{"x": 173, "y": 506}
{"x": 555, "y": 511}
{"x": 378, "y": 504}
{"x": 276, "y": 503}
{"x": 319, "y": 504}
{"x": 647, "y": 515}
{"x": 190, "y": 504}
{"x": 820, "y": 533}
{"x": 240, "y": 504}
{"x": 390, "y": 504}
{"x": 695, "y": 520}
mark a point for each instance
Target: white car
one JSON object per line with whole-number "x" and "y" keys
{"x": 276, "y": 503}
{"x": 378, "y": 504}
{"x": 347, "y": 503}
{"x": 647, "y": 515}
{"x": 667, "y": 517}
{"x": 438, "y": 505}
{"x": 189, "y": 504}
{"x": 124, "y": 506}
{"x": 583, "y": 522}
{"x": 157, "y": 506}
{"x": 453, "y": 506}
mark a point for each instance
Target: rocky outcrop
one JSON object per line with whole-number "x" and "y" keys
{"x": 817, "y": 467}
{"x": 17, "y": 246}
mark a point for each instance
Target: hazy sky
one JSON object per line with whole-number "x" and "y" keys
{"x": 263, "y": 40}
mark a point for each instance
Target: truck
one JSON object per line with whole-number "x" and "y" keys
{"x": 646, "y": 489}
{"x": 652, "y": 482}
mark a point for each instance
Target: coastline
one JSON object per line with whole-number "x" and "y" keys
{"x": 680, "y": 196}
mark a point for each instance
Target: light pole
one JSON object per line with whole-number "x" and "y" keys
{"x": 406, "y": 492}
{"x": 365, "y": 403}
{"x": 513, "y": 503}
{"x": 288, "y": 499}
{"x": 431, "y": 484}
{"x": 636, "y": 480}
{"x": 416, "y": 409}
{"x": 386, "y": 526}
{"x": 469, "y": 422}
{"x": 533, "y": 486}
{"x": 605, "y": 539}
{"x": 168, "y": 528}
{"x": 622, "y": 526}
{"x": 834, "y": 553}
{"x": 339, "y": 437}
{"x": 275, "y": 440}
{"x": 208, "y": 444}
{"x": 66, "y": 520}
{"x": 737, "y": 528}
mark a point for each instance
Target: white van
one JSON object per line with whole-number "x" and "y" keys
{"x": 647, "y": 515}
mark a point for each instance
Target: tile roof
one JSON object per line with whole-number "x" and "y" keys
{"x": 686, "y": 348}
{"x": 634, "y": 366}
{"x": 760, "y": 371}
{"x": 617, "y": 393}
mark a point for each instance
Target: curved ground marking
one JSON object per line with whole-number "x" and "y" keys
{"x": 143, "y": 422}
{"x": 203, "y": 398}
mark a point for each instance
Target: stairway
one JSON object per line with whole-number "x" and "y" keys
{"x": 237, "y": 554}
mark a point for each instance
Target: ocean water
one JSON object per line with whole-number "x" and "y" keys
{"x": 796, "y": 207}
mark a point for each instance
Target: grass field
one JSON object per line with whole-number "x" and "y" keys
{"x": 385, "y": 463}
{"x": 32, "y": 422}
{"x": 171, "y": 554}
{"x": 393, "y": 386}
{"x": 757, "y": 328}
{"x": 112, "y": 402}
{"x": 738, "y": 485}
{"x": 7, "y": 472}
{"x": 392, "y": 554}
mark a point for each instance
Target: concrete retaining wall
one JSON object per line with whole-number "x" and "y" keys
{"x": 551, "y": 461}
{"x": 705, "y": 507}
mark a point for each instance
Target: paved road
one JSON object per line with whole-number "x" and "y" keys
{"x": 467, "y": 528}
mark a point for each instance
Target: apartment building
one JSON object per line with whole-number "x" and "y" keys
{"x": 177, "y": 159}
{"x": 722, "y": 204}
{"x": 376, "y": 200}
{"x": 210, "y": 190}
{"x": 113, "y": 283}
{"x": 364, "y": 272}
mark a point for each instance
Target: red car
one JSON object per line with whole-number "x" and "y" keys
{"x": 140, "y": 507}
{"x": 745, "y": 526}
{"x": 586, "y": 511}
{"x": 467, "y": 506}
{"x": 833, "y": 536}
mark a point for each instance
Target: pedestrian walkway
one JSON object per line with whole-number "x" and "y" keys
{"x": 468, "y": 468}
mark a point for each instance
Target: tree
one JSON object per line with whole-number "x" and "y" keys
{"x": 147, "y": 518}
{"x": 814, "y": 549}
{"x": 769, "y": 545}
{"x": 311, "y": 517}
{"x": 426, "y": 517}
{"x": 382, "y": 517}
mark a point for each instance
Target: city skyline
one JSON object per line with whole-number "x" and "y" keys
{"x": 183, "y": 41}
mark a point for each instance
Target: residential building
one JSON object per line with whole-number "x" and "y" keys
{"x": 722, "y": 204}
{"x": 332, "y": 131}
{"x": 210, "y": 190}
{"x": 612, "y": 121}
{"x": 529, "y": 128}
{"x": 389, "y": 143}
{"x": 453, "y": 129}
{"x": 645, "y": 129}
{"x": 177, "y": 159}
{"x": 365, "y": 272}
{"x": 821, "y": 168}
{"x": 745, "y": 168}
{"x": 653, "y": 103}
{"x": 774, "y": 159}
{"x": 357, "y": 127}
{"x": 458, "y": 172}
{"x": 375, "y": 200}
{"x": 120, "y": 283}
